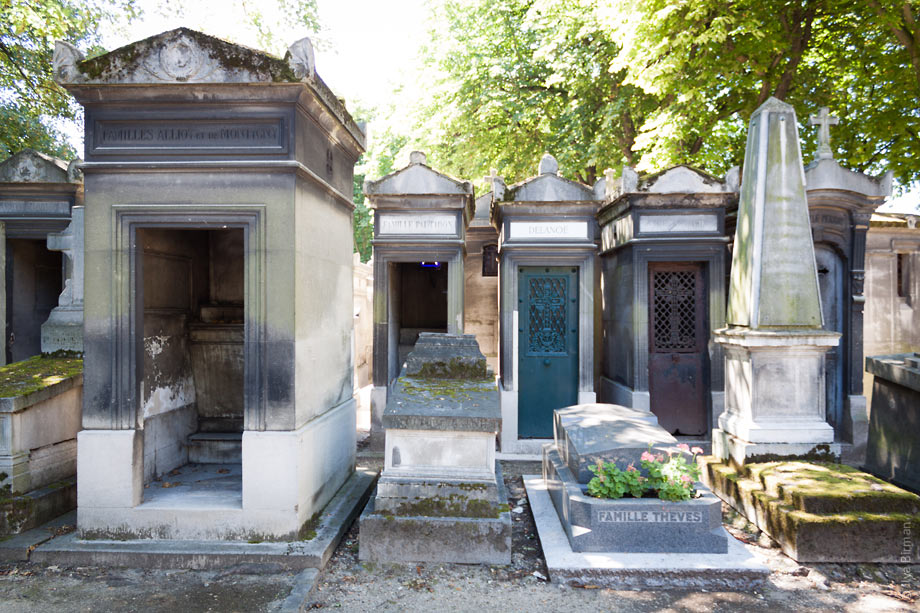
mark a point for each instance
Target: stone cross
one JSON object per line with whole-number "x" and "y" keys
{"x": 824, "y": 120}
{"x": 497, "y": 183}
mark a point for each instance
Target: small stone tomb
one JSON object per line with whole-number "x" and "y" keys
{"x": 440, "y": 497}
{"x": 588, "y": 433}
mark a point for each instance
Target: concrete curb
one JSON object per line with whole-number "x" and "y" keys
{"x": 296, "y": 602}
{"x": 18, "y": 547}
{"x": 335, "y": 520}
{"x": 738, "y": 569}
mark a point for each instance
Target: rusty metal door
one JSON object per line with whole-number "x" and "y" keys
{"x": 677, "y": 346}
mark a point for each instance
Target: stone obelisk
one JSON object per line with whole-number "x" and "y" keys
{"x": 774, "y": 344}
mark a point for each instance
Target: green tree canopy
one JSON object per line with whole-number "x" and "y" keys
{"x": 654, "y": 83}
{"x": 30, "y": 101}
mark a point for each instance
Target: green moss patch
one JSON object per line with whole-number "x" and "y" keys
{"x": 825, "y": 488}
{"x": 27, "y": 376}
{"x": 453, "y": 389}
{"x": 449, "y": 506}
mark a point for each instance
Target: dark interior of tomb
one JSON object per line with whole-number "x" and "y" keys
{"x": 34, "y": 275}
{"x": 422, "y": 302}
{"x": 192, "y": 391}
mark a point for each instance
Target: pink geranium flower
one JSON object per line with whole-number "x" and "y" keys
{"x": 631, "y": 468}
{"x": 647, "y": 457}
{"x": 686, "y": 478}
{"x": 684, "y": 447}
{"x": 697, "y": 450}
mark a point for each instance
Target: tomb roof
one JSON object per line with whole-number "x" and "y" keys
{"x": 29, "y": 166}
{"x": 549, "y": 186}
{"x": 418, "y": 179}
{"x": 196, "y": 64}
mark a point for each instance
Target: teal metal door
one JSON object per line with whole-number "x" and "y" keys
{"x": 547, "y": 347}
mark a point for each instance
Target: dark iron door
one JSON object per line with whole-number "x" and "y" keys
{"x": 547, "y": 346}
{"x": 677, "y": 344}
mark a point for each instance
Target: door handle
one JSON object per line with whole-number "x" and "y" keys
{"x": 546, "y": 362}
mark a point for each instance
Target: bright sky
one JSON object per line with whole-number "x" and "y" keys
{"x": 364, "y": 48}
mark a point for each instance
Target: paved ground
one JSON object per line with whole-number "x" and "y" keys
{"x": 349, "y": 585}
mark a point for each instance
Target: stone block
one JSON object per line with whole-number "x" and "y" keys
{"x": 110, "y": 469}
{"x": 636, "y": 525}
{"x": 586, "y": 434}
{"x": 442, "y": 529}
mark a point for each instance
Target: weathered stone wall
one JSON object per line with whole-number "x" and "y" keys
{"x": 892, "y": 323}
{"x": 480, "y": 299}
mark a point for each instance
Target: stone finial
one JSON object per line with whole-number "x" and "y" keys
{"x": 774, "y": 281}
{"x": 824, "y": 120}
{"x": 75, "y": 171}
{"x": 418, "y": 157}
{"x": 548, "y": 165}
{"x": 64, "y": 62}
{"x": 301, "y": 59}
{"x": 733, "y": 179}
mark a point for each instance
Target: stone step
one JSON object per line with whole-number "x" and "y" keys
{"x": 215, "y": 447}
{"x": 23, "y": 512}
{"x": 821, "y": 512}
{"x": 815, "y": 488}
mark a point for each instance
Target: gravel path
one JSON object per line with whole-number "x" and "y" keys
{"x": 349, "y": 585}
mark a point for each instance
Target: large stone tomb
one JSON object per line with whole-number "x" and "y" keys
{"x": 420, "y": 222}
{"x": 218, "y": 290}
{"x": 610, "y": 433}
{"x": 547, "y": 281}
{"x": 441, "y": 497}
{"x": 893, "y": 449}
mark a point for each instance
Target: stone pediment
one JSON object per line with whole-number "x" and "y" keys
{"x": 182, "y": 56}
{"x": 30, "y": 166}
{"x": 549, "y": 188}
{"x": 417, "y": 179}
{"x": 828, "y": 174}
{"x": 682, "y": 180}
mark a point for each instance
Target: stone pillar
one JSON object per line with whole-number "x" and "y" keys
{"x": 774, "y": 343}
{"x": 64, "y": 329}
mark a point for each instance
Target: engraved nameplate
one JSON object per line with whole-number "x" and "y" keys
{"x": 678, "y": 223}
{"x": 650, "y": 517}
{"x": 168, "y": 135}
{"x": 419, "y": 224}
{"x": 547, "y": 230}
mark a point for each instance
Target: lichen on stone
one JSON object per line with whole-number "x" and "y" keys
{"x": 33, "y": 374}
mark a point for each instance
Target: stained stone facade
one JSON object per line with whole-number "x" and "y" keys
{"x": 840, "y": 205}
{"x": 664, "y": 259}
{"x": 420, "y": 222}
{"x": 218, "y": 223}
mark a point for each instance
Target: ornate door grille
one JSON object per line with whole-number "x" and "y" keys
{"x": 547, "y": 299}
{"x": 675, "y": 298}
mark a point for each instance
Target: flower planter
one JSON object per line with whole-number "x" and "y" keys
{"x": 632, "y": 525}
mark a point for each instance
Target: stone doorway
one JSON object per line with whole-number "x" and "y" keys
{"x": 190, "y": 311}
{"x": 34, "y": 278}
{"x": 419, "y": 294}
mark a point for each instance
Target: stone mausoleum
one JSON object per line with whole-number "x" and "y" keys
{"x": 218, "y": 289}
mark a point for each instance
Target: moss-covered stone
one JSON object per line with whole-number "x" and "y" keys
{"x": 27, "y": 376}
{"x": 454, "y": 505}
